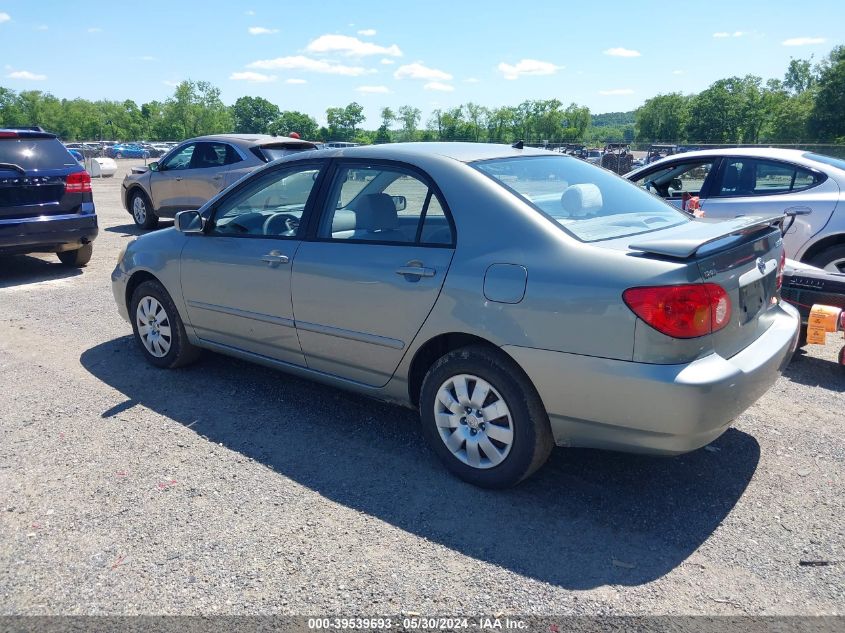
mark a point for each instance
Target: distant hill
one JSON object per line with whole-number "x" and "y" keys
{"x": 613, "y": 119}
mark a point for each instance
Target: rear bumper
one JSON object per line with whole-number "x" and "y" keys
{"x": 48, "y": 234}
{"x": 668, "y": 409}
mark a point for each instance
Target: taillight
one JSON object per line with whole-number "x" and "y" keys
{"x": 685, "y": 311}
{"x": 78, "y": 182}
{"x": 781, "y": 266}
{"x": 6, "y": 134}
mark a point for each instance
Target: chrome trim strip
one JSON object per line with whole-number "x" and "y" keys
{"x": 246, "y": 314}
{"x": 47, "y": 218}
{"x": 352, "y": 335}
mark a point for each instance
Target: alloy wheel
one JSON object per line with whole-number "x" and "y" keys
{"x": 474, "y": 421}
{"x": 139, "y": 210}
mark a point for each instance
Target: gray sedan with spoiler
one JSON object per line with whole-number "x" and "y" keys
{"x": 517, "y": 298}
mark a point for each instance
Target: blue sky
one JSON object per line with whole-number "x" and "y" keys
{"x": 308, "y": 56}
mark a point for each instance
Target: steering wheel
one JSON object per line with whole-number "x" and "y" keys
{"x": 277, "y": 221}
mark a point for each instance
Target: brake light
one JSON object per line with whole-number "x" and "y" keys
{"x": 781, "y": 266}
{"x": 6, "y": 134}
{"x": 78, "y": 182}
{"x": 684, "y": 311}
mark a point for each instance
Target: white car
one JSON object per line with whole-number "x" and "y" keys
{"x": 733, "y": 182}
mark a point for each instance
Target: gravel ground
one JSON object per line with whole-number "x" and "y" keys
{"x": 229, "y": 488}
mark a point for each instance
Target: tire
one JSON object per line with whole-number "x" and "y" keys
{"x": 118, "y": 155}
{"x": 77, "y": 258}
{"x": 164, "y": 342}
{"x": 508, "y": 457}
{"x": 142, "y": 211}
{"x": 831, "y": 259}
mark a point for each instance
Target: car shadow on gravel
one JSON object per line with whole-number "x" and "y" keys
{"x": 813, "y": 371}
{"x": 589, "y": 518}
{"x": 134, "y": 229}
{"x": 19, "y": 270}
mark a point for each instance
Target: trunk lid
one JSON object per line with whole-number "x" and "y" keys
{"x": 742, "y": 256}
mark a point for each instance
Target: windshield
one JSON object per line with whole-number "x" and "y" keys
{"x": 588, "y": 202}
{"x": 35, "y": 153}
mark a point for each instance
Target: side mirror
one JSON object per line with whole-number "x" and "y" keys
{"x": 400, "y": 202}
{"x": 153, "y": 166}
{"x": 189, "y": 222}
{"x": 677, "y": 184}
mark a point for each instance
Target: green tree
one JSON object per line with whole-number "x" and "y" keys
{"x": 800, "y": 76}
{"x": 827, "y": 120}
{"x": 410, "y": 118}
{"x": 253, "y": 115}
{"x": 343, "y": 122}
{"x": 729, "y": 111}
{"x": 383, "y": 132}
{"x": 663, "y": 118}
{"x": 299, "y": 122}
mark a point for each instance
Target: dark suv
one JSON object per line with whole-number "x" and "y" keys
{"x": 46, "y": 204}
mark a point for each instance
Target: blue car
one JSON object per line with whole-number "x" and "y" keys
{"x": 46, "y": 204}
{"x": 127, "y": 150}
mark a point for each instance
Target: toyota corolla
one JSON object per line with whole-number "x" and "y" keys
{"x": 517, "y": 298}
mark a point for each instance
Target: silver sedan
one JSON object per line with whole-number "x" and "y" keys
{"x": 518, "y": 298}
{"x": 738, "y": 181}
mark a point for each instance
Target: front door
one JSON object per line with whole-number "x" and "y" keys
{"x": 168, "y": 192}
{"x": 365, "y": 283}
{"x": 236, "y": 276}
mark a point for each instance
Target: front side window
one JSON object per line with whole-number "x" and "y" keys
{"x": 676, "y": 180}
{"x": 590, "y": 203}
{"x": 372, "y": 203}
{"x": 181, "y": 159}
{"x": 270, "y": 206}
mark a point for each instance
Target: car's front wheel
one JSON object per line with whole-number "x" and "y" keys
{"x": 831, "y": 259}
{"x": 142, "y": 212}
{"x": 78, "y": 257}
{"x": 158, "y": 328}
{"x": 483, "y": 418}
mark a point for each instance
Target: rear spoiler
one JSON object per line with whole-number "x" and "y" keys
{"x": 686, "y": 241}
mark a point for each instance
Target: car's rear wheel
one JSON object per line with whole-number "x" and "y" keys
{"x": 831, "y": 259}
{"x": 142, "y": 212}
{"x": 483, "y": 418}
{"x": 158, "y": 328}
{"x": 78, "y": 257}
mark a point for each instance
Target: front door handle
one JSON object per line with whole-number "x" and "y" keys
{"x": 274, "y": 258}
{"x": 218, "y": 177}
{"x": 178, "y": 178}
{"x": 415, "y": 271}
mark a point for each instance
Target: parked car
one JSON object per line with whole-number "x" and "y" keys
{"x": 593, "y": 156}
{"x": 46, "y": 204}
{"x": 517, "y": 298}
{"x": 735, "y": 182}
{"x": 126, "y": 150}
{"x": 196, "y": 170}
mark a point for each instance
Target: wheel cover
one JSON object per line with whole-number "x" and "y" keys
{"x": 153, "y": 326}
{"x": 836, "y": 266}
{"x": 139, "y": 209}
{"x": 474, "y": 421}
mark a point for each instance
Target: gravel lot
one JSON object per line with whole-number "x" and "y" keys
{"x": 229, "y": 488}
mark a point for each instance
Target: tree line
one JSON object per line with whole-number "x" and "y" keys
{"x": 807, "y": 105}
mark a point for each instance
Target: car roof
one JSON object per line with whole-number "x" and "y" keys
{"x": 463, "y": 152}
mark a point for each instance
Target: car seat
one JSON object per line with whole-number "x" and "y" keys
{"x": 376, "y": 219}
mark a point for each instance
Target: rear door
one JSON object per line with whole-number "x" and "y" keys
{"x": 367, "y": 279}
{"x": 754, "y": 186}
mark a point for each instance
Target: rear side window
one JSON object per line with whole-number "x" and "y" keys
{"x": 35, "y": 153}
{"x": 754, "y": 177}
{"x": 588, "y": 202}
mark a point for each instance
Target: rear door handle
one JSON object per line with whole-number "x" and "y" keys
{"x": 218, "y": 177}
{"x": 415, "y": 271}
{"x": 274, "y": 258}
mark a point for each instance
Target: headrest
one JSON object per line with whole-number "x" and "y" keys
{"x": 581, "y": 200}
{"x": 376, "y": 212}
{"x": 731, "y": 179}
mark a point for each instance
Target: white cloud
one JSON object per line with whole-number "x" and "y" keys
{"x": 171, "y": 83}
{"x": 622, "y": 52}
{"x": 4, "y": 17}
{"x": 373, "y": 89}
{"x": 367, "y": 32}
{"x": 300, "y": 62}
{"x": 42, "y": 27}
{"x": 616, "y": 92}
{"x": 252, "y": 77}
{"x": 721, "y": 34}
{"x": 471, "y": 80}
{"x": 95, "y": 29}
{"x": 438, "y": 86}
{"x": 350, "y": 46}
{"x": 527, "y": 67}
{"x": 419, "y": 71}
{"x": 738, "y": 33}
{"x": 25, "y": 74}
{"x": 387, "y": 62}
{"x": 146, "y": 58}
{"x": 803, "y": 41}
{"x": 261, "y": 30}
{"x": 250, "y": 12}
{"x": 678, "y": 72}
{"x": 295, "y": 81}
